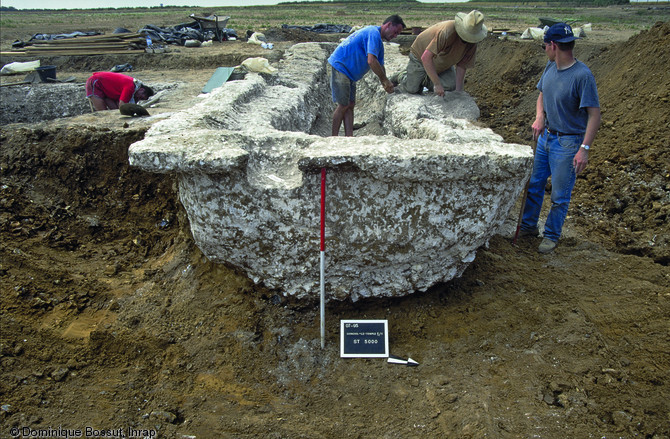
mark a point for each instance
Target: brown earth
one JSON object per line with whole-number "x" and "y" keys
{"x": 112, "y": 318}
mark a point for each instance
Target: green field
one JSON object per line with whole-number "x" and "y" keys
{"x": 22, "y": 24}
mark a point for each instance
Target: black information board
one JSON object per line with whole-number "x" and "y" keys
{"x": 364, "y": 338}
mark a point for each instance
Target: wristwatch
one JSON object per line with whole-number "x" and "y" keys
{"x": 586, "y": 147}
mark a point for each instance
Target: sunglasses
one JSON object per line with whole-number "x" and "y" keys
{"x": 544, "y": 46}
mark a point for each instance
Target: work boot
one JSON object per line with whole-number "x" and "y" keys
{"x": 547, "y": 246}
{"x": 394, "y": 79}
{"x": 397, "y": 78}
{"x": 534, "y": 232}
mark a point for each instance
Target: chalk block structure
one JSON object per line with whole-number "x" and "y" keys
{"x": 407, "y": 205}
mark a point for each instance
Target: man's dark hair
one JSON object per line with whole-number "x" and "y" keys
{"x": 395, "y": 19}
{"x": 149, "y": 90}
{"x": 566, "y": 46}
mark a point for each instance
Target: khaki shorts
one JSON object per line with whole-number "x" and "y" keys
{"x": 344, "y": 89}
{"x": 414, "y": 79}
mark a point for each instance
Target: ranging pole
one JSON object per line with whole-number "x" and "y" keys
{"x": 323, "y": 257}
{"x": 523, "y": 199}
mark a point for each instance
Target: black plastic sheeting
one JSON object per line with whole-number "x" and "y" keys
{"x": 322, "y": 28}
{"x": 178, "y": 34}
{"x": 51, "y": 37}
{"x": 17, "y": 44}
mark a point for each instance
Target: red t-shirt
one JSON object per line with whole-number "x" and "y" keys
{"x": 115, "y": 86}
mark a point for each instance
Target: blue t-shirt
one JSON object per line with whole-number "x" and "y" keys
{"x": 566, "y": 94}
{"x": 351, "y": 56}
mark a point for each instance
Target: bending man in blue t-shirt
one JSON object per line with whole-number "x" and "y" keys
{"x": 567, "y": 119}
{"x": 361, "y": 51}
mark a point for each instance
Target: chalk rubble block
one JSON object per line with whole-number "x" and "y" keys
{"x": 405, "y": 210}
{"x": 39, "y": 102}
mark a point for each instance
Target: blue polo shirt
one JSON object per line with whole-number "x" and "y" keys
{"x": 351, "y": 56}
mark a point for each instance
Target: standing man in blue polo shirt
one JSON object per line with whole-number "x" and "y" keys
{"x": 361, "y": 51}
{"x": 566, "y": 122}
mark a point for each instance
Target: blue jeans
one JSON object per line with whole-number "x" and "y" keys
{"x": 553, "y": 157}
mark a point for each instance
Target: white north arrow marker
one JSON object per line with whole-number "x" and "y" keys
{"x": 397, "y": 360}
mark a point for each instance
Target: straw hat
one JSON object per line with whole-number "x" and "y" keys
{"x": 470, "y": 27}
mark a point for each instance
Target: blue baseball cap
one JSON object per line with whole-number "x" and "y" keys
{"x": 559, "y": 33}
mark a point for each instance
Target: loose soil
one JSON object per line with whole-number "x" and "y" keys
{"x": 113, "y": 319}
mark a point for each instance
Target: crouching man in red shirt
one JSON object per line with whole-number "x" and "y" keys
{"x": 110, "y": 90}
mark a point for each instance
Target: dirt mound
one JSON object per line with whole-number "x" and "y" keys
{"x": 622, "y": 200}
{"x": 299, "y": 35}
{"x": 112, "y": 318}
{"x": 626, "y": 199}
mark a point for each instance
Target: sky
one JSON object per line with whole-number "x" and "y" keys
{"x": 84, "y": 4}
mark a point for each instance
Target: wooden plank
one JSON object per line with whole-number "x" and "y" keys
{"x": 16, "y": 83}
{"x": 91, "y": 38}
{"x": 87, "y": 47}
{"x": 75, "y": 41}
{"x": 66, "y": 52}
{"x": 84, "y": 43}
